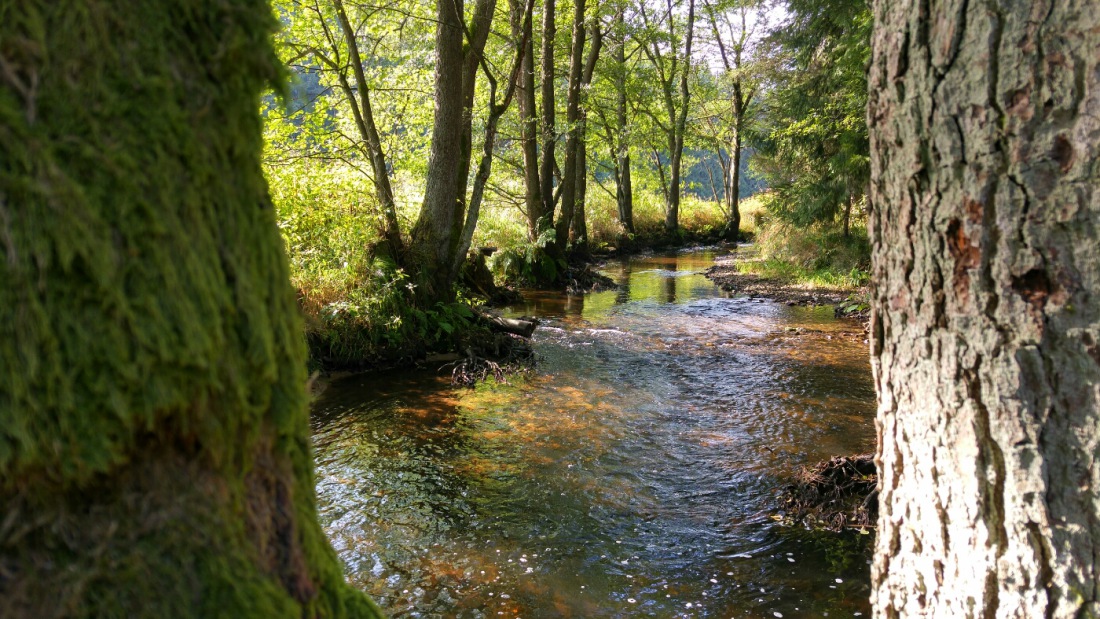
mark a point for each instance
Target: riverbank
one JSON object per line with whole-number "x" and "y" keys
{"x": 731, "y": 273}
{"x": 742, "y": 271}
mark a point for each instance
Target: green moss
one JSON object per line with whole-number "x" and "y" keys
{"x": 145, "y": 301}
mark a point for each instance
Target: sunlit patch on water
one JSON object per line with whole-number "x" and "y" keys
{"x": 631, "y": 475}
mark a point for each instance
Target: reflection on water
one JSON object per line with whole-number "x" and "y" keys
{"x": 629, "y": 477}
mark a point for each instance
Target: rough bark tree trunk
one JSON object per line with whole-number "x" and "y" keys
{"x": 732, "y": 53}
{"x": 848, "y": 215}
{"x": 985, "y": 193}
{"x": 154, "y": 450}
{"x": 578, "y": 234}
{"x": 477, "y": 35}
{"x": 733, "y": 190}
{"x": 435, "y": 253}
{"x": 520, "y": 11}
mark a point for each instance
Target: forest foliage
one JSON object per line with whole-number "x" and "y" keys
{"x": 583, "y": 127}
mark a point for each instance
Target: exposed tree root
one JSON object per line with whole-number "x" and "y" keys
{"x": 505, "y": 355}
{"x": 583, "y": 279}
{"x": 834, "y": 495}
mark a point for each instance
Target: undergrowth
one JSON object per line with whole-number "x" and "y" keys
{"x": 818, "y": 255}
{"x": 357, "y": 306}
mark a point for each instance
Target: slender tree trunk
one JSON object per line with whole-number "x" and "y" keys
{"x": 848, "y": 216}
{"x": 529, "y": 135}
{"x": 549, "y": 130}
{"x": 154, "y": 452}
{"x": 436, "y": 233}
{"x": 363, "y": 113}
{"x": 624, "y": 191}
{"x": 473, "y": 53}
{"x": 661, "y": 176}
{"x": 733, "y": 190}
{"x": 672, "y": 204}
{"x": 579, "y": 229}
{"x": 579, "y": 233}
{"x": 572, "y": 119}
{"x": 986, "y": 325}
{"x": 679, "y": 128}
{"x": 522, "y": 13}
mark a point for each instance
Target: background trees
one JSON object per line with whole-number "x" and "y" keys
{"x": 358, "y": 49}
{"x": 735, "y": 27}
{"x": 812, "y": 145}
{"x": 154, "y": 450}
{"x": 986, "y": 204}
{"x": 625, "y": 113}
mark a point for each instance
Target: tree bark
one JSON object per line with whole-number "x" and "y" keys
{"x": 579, "y": 232}
{"x": 733, "y": 190}
{"x": 359, "y": 101}
{"x": 986, "y": 307}
{"x": 436, "y": 233}
{"x": 733, "y": 59}
{"x": 521, "y": 11}
{"x": 154, "y": 451}
{"x": 477, "y": 35}
{"x": 848, "y": 215}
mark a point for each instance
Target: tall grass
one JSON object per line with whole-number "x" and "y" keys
{"x": 818, "y": 255}
{"x": 356, "y": 306}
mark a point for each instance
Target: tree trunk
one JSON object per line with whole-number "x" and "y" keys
{"x": 733, "y": 190}
{"x": 624, "y": 190}
{"x": 359, "y": 101}
{"x": 529, "y": 134}
{"x": 624, "y": 193}
{"x": 848, "y": 216}
{"x": 473, "y": 53}
{"x": 579, "y": 233}
{"x": 679, "y": 128}
{"x": 672, "y": 196}
{"x": 522, "y": 12}
{"x": 154, "y": 457}
{"x": 436, "y": 233}
{"x": 579, "y": 230}
{"x": 986, "y": 320}
{"x": 572, "y": 118}
{"x": 549, "y": 131}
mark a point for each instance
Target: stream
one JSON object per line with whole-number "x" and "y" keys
{"x": 633, "y": 473}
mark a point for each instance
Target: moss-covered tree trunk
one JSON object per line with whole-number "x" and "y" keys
{"x": 154, "y": 449}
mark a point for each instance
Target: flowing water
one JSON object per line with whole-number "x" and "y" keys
{"x": 631, "y": 475}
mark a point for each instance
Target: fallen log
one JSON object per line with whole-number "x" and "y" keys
{"x": 515, "y": 326}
